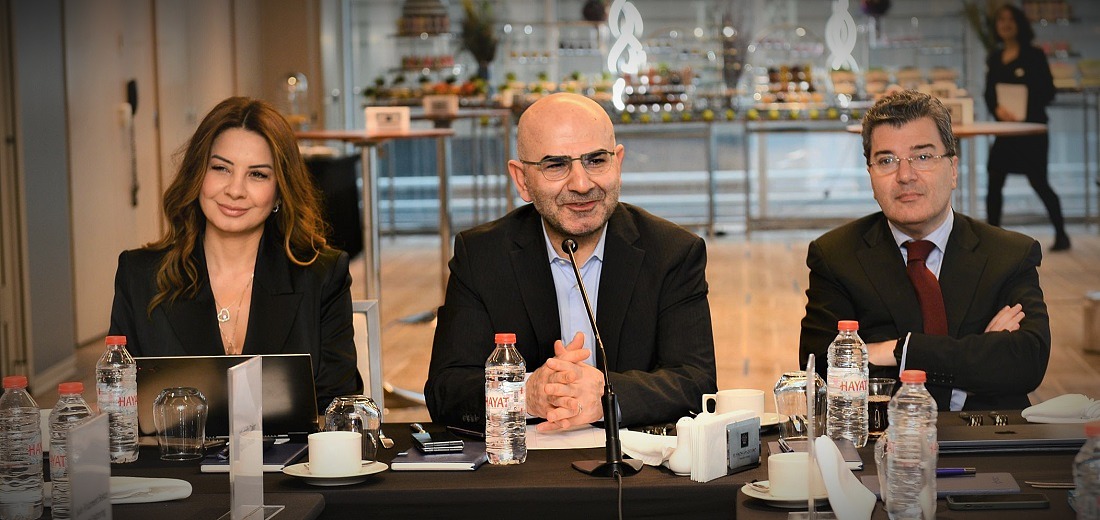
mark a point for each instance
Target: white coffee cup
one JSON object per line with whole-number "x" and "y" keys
{"x": 335, "y": 454}
{"x": 787, "y": 476}
{"x": 736, "y": 399}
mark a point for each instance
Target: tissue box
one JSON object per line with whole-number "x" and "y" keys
{"x": 387, "y": 120}
{"x": 743, "y": 445}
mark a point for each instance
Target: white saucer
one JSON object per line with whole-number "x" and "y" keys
{"x": 785, "y": 503}
{"x": 769, "y": 419}
{"x": 302, "y": 471}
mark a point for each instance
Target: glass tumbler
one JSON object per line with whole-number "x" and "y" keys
{"x": 356, "y": 413}
{"x": 790, "y": 404}
{"x": 179, "y": 415}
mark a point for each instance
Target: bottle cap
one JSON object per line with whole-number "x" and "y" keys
{"x": 913, "y": 376}
{"x": 116, "y": 340}
{"x": 1092, "y": 429}
{"x": 15, "y": 382}
{"x": 847, "y": 325}
{"x": 72, "y": 387}
{"x": 507, "y": 338}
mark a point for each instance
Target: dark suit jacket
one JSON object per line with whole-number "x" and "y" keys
{"x": 294, "y": 310}
{"x": 652, "y": 314}
{"x": 857, "y": 273}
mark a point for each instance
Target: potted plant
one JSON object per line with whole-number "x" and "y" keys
{"x": 478, "y": 35}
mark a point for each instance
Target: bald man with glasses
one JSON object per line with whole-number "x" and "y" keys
{"x": 644, "y": 275}
{"x": 932, "y": 289}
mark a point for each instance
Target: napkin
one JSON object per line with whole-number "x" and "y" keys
{"x": 1067, "y": 408}
{"x": 849, "y": 498}
{"x": 709, "y": 457}
{"x": 137, "y": 490}
{"x": 648, "y": 448}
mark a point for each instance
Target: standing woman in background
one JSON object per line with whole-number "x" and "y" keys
{"x": 1018, "y": 62}
{"x": 243, "y": 266}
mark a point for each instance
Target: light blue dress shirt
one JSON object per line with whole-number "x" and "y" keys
{"x": 571, "y": 310}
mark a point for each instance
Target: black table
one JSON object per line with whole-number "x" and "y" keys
{"x": 547, "y": 487}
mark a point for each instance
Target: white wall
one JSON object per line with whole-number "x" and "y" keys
{"x": 108, "y": 43}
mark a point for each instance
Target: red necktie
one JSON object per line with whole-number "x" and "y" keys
{"x": 928, "y": 287}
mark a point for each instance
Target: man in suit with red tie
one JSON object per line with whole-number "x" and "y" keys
{"x": 932, "y": 289}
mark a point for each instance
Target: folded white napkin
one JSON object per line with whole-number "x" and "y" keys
{"x": 849, "y": 498}
{"x": 648, "y": 448}
{"x": 137, "y": 490}
{"x": 709, "y": 457}
{"x": 1068, "y": 408}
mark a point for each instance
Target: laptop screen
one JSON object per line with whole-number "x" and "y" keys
{"x": 289, "y": 400}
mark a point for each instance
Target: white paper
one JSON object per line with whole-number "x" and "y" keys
{"x": 585, "y": 436}
{"x": 89, "y": 462}
{"x": 1013, "y": 97}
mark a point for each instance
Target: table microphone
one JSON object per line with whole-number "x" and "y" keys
{"x": 614, "y": 465}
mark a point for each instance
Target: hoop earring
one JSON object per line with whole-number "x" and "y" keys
{"x": 276, "y": 210}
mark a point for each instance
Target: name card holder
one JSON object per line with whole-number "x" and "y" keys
{"x": 441, "y": 105}
{"x": 962, "y": 110}
{"x": 89, "y": 462}
{"x": 387, "y": 120}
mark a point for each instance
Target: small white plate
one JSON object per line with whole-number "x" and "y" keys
{"x": 769, "y": 419}
{"x": 785, "y": 503}
{"x": 302, "y": 471}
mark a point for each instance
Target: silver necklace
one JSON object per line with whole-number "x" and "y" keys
{"x": 224, "y": 315}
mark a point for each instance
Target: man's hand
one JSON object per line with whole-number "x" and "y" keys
{"x": 566, "y": 390}
{"x": 882, "y": 353}
{"x": 1008, "y": 318}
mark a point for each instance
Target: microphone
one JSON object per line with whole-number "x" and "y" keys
{"x": 614, "y": 463}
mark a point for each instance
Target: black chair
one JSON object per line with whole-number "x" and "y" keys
{"x": 335, "y": 177}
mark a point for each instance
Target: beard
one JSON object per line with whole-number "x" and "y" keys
{"x": 563, "y": 222}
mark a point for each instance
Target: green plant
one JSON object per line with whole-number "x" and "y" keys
{"x": 980, "y": 22}
{"x": 478, "y": 36}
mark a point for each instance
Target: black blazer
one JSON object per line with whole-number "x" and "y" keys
{"x": 652, "y": 313}
{"x": 857, "y": 273}
{"x": 294, "y": 310}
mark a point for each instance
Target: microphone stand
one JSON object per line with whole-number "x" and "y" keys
{"x": 614, "y": 463}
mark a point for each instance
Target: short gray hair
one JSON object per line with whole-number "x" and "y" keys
{"x": 905, "y": 107}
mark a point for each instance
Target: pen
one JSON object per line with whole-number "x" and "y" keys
{"x": 955, "y": 472}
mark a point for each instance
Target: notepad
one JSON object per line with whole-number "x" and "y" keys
{"x": 275, "y": 458}
{"x": 977, "y": 484}
{"x": 847, "y": 450}
{"x": 471, "y": 456}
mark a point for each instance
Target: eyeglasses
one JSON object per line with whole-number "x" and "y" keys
{"x": 557, "y": 167}
{"x": 925, "y": 162}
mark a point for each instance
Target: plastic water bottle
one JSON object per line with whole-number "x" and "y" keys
{"x": 71, "y": 410}
{"x": 847, "y": 382}
{"x": 20, "y": 452}
{"x": 116, "y": 393}
{"x": 911, "y": 450}
{"x": 1086, "y": 475}
{"x": 505, "y": 403}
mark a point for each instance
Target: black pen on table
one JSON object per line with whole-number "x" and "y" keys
{"x": 955, "y": 472}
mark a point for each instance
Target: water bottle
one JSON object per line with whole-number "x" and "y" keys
{"x": 847, "y": 382}
{"x": 20, "y": 452}
{"x": 116, "y": 393}
{"x": 1086, "y": 475}
{"x": 911, "y": 451}
{"x": 70, "y": 411}
{"x": 505, "y": 403}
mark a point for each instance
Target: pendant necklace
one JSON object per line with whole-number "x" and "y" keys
{"x": 224, "y": 315}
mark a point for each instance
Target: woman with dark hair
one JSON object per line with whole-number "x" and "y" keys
{"x": 243, "y": 266}
{"x": 1018, "y": 62}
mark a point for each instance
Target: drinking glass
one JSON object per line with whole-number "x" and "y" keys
{"x": 356, "y": 413}
{"x": 879, "y": 390}
{"x": 179, "y": 416}
{"x": 790, "y": 404}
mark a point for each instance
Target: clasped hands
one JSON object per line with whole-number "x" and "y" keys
{"x": 565, "y": 390}
{"x": 1006, "y": 319}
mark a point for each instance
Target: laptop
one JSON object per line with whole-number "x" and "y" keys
{"x": 1011, "y": 438}
{"x": 289, "y": 397}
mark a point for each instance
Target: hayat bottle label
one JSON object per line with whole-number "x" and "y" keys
{"x": 507, "y": 397}
{"x": 847, "y": 383}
